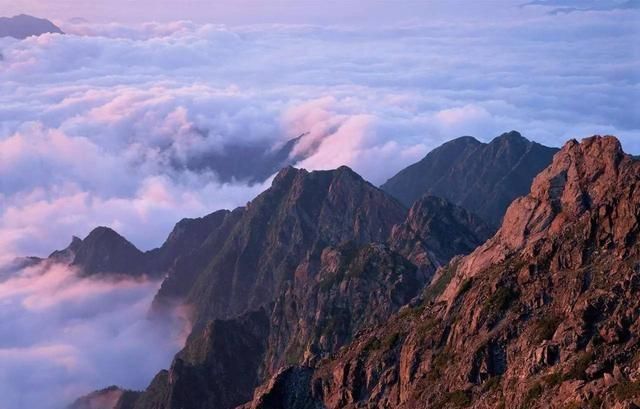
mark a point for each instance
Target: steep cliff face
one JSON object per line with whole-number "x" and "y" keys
{"x": 482, "y": 178}
{"x": 301, "y": 214}
{"x": 544, "y": 315}
{"x": 354, "y": 288}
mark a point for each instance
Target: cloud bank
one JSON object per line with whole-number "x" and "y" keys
{"x": 100, "y": 126}
{"x": 62, "y": 337}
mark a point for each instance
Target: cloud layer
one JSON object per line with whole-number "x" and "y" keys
{"x": 62, "y": 337}
{"x": 98, "y": 127}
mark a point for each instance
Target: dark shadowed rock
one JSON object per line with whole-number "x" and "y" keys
{"x": 301, "y": 214}
{"x": 217, "y": 369}
{"x": 103, "y": 251}
{"x": 482, "y": 178}
{"x": 24, "y": 26}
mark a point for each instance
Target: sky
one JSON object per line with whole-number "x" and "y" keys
{"x": 321, "y": 12}
{"x": 99, "y": 126}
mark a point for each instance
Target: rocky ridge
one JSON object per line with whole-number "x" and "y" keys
{"x": 543, "y": 315}
{"x": 348, "y": 278}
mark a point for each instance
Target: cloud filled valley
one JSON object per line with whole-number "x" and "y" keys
{"x": 125, "y": 126}
{"x": 62, "y": 336}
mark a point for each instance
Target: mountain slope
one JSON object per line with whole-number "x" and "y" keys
{"x": 23, "y": 26}
{"x": 544, "y": 315}
{"x": 300, "y": 214}
{"x": 483, "y": 178}
{"x": 343, "y": 283}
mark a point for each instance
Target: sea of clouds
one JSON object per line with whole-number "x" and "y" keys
{"x": 97, "y": 127}
{"x": 62, "y": 336}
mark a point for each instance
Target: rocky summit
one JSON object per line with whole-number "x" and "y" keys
{"x": 543, "y": 315}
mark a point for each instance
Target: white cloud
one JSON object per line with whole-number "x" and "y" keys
{"x": 106, "y": 122}
{"x": 62, "y": 337}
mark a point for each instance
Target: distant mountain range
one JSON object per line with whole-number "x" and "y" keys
{"x": 23, "y": 26}
{"x": 326, "y": 292}
{"x": 481, "y": 177}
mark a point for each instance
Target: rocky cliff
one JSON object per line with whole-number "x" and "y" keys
{"x": 543, "y": 315}
{"x": 297, "y": 217}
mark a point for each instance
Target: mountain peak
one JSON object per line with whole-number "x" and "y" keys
{"x": 587, "y": 190}
{"x": 23, "y": 26}
{"x": 510, "y": 137}
{"x": 104, "y": 251}
{"x": 483, "y": 178}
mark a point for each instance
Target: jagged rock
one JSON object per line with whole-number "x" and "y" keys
{"x": 430, "y": 219}
{"x": 539, "y": 294}
{"x": 343, "y": 283}
{"x": 217, "y": 368}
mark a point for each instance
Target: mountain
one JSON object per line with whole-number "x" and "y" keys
{"x": 342, "y": 249}
{"x": 103, "y": 251}
{"x": 263, "y": 243}
{"x": 435, "y": 231}
{"x": 481, "y": 177}
{"x": 543, "y": 315}
{"x": 24, "y": 26}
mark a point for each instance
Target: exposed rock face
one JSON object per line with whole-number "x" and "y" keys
{"x": 217, "y": 369}
{"x": 355, "y": 287}
{"x": 300, "y": 215}
{"x": 24, "y": 26}
{"x": 482, "y": 178}
{"x": 544, "y": 315}
{"x": 435, "y": 231}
